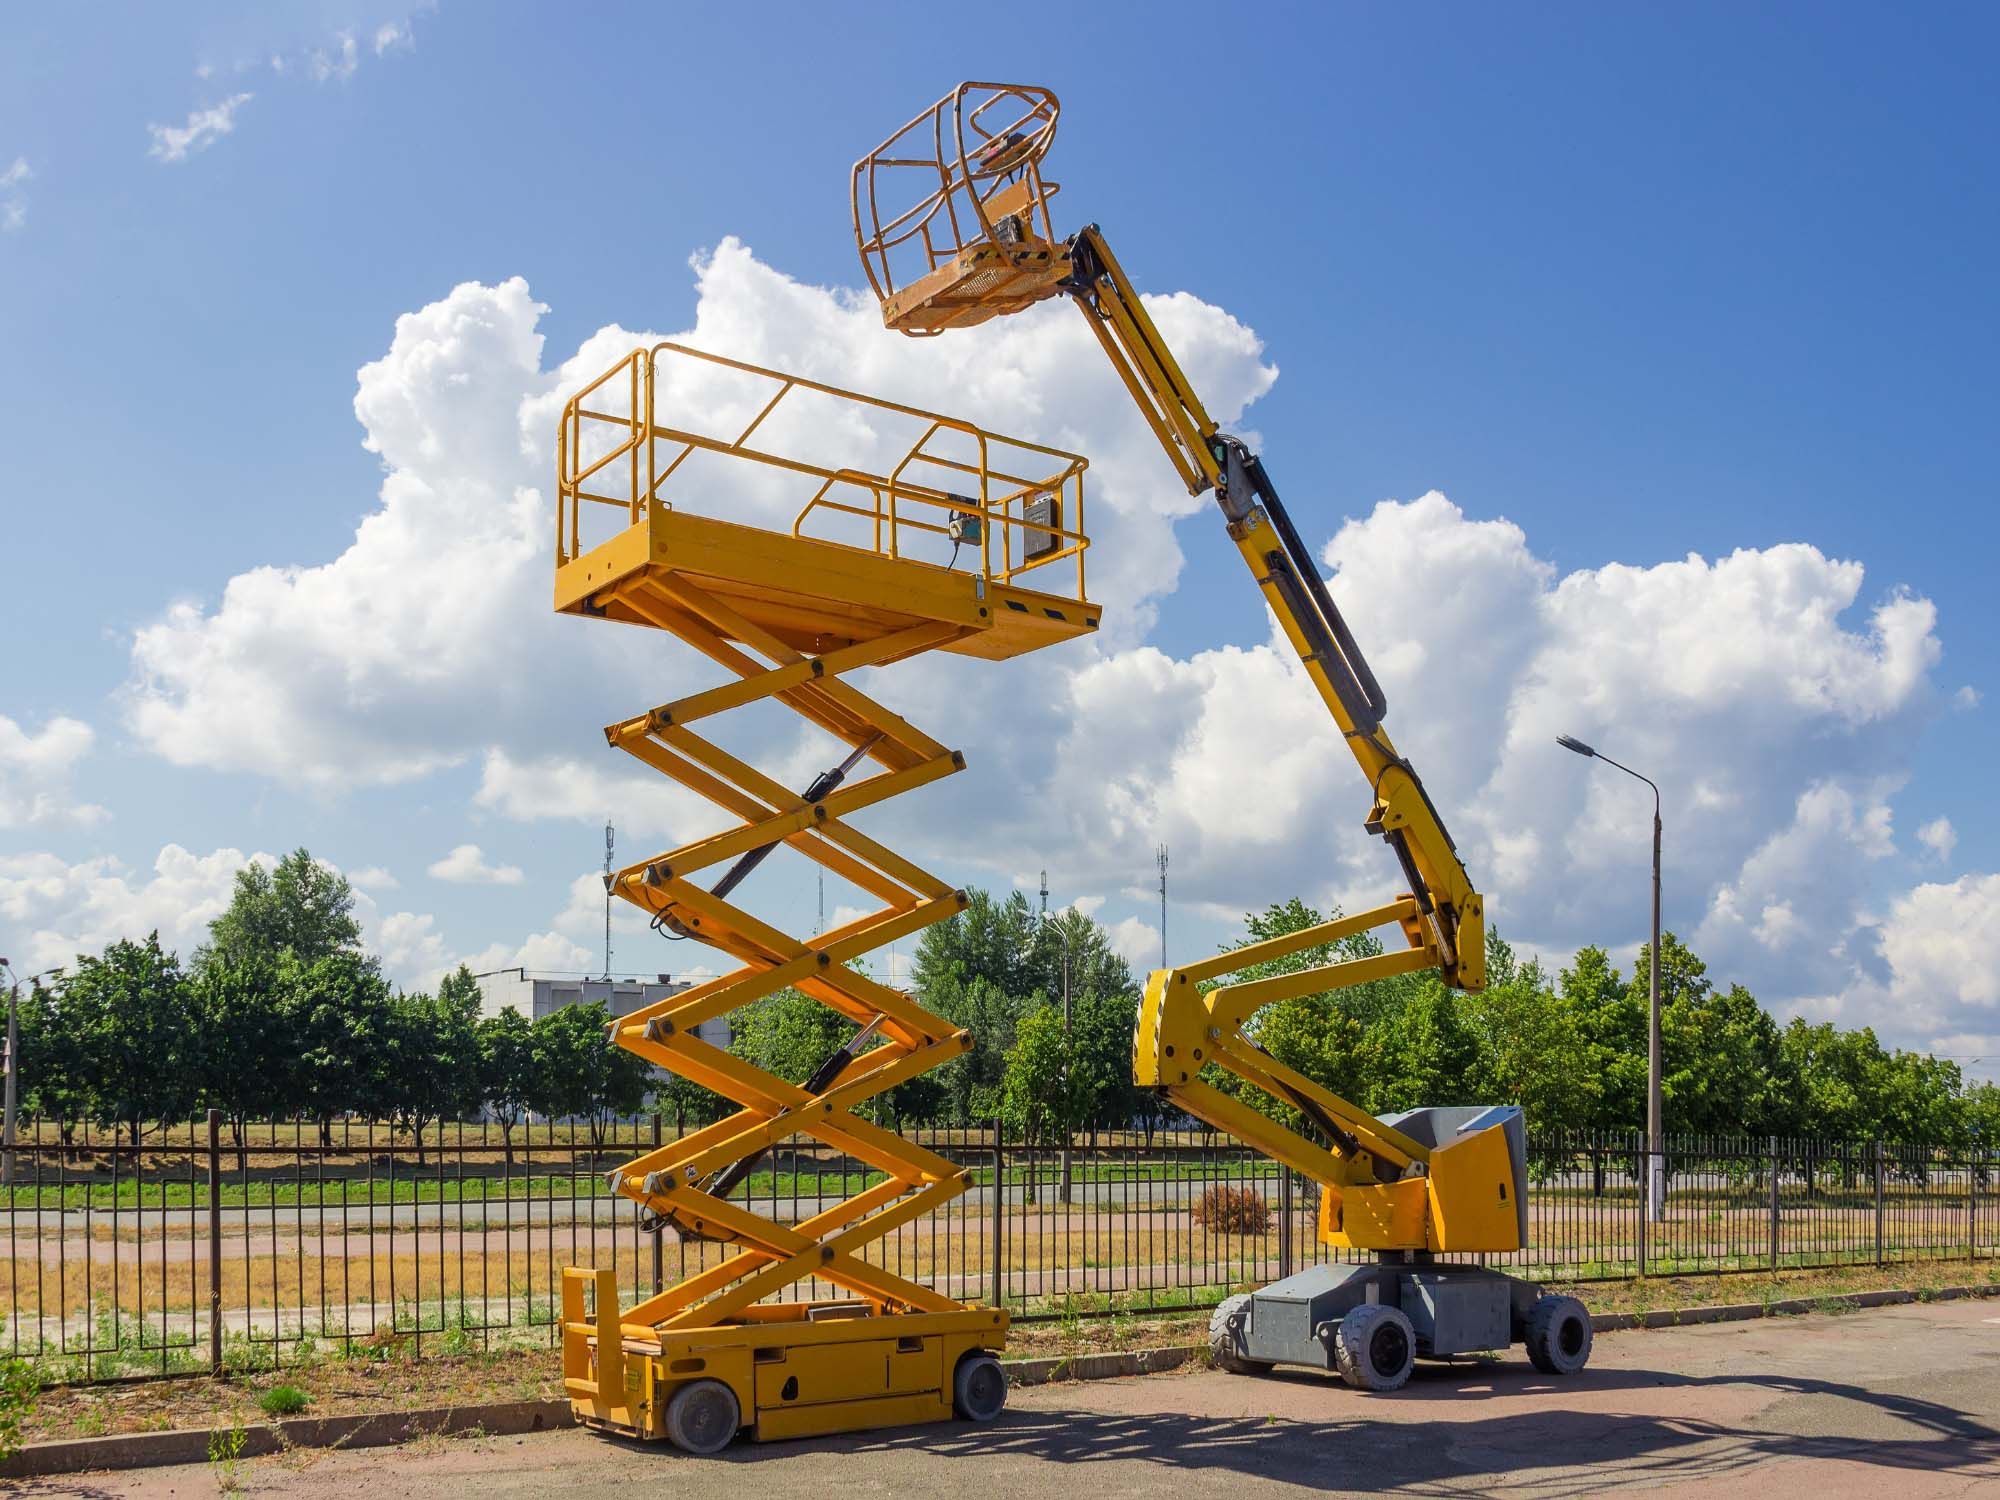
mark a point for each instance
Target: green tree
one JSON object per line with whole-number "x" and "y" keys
{"x": 1101, "y": 1028}
{"x": 578, "y": 1075}
{"x": 1532, "y": 1050}
{"x": 994, "y": 940}
{"x": 1611, "y": 1015}
{"x": 248, "y": 1051}
{"x": 431, "y": 1055}
{"x": 788, "y": 1033}
{"x": 1719, "y": 1063}
{"x": 1070, "y": 953}
{"x": 1979, "y": 1117}
{"x": 302, "y": 908}
{"x": 686, "y": 1101}
{"x": 507, "y": 1071}
{"x": 54, "y": 1066}
{"x": 971, "y": 1083}
{"x": 1421, "y": 1052}
{"x": 137, "y": 1034}
{"x": 337, "y": 1008}
{"x": 1042, "y": 1094}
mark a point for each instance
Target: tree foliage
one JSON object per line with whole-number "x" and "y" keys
{"x": 284, "y": 1014}
{"x": 301, "y": 908}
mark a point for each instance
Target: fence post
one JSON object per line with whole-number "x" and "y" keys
{"x": 1879, "y": 1260}
{"x": 999, "y": 1210}
{"x": 215, "y": 1242}
{"x": 1775, "y": 1220}
{"x": 659, "y": 1235}
{"x": 1284, "y": 1221}
{"x": 1971, "y": 1211}
{"x": 1645, "y": 1181}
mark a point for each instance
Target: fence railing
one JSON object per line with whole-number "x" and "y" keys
{"x": 186, "y": 1254}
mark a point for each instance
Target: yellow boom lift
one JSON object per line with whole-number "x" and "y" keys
{"x": 794, "y": 1329}
{"x": 953, "y": 225}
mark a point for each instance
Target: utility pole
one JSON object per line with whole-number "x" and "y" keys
{"x": 1065, "y": 1188}
{"x": 1163, "y": 905}
{"x": 1045, "y": 895}
{"x": 609, "y": 842}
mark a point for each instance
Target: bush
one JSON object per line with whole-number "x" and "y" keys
{"x": 19, "y": 1386}
{"x": 283, "y": 1401}
{"x": 1232, "y": 1210}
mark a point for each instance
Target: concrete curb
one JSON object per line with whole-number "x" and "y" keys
{"x": 382, "y": 1429}
{"x": 1738, "y": 1312}
{"x": 1100, "y": 1366}
{"x": 143, "y": 1450}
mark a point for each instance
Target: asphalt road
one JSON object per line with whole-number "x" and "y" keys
{"x": 1902, "y": 1402}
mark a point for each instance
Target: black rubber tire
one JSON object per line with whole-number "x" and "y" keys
{"x": 703, "y": 1417}
{"x": 978, "y": 1387}
{"x": 1559, "y": 1335}
{"x": 1374, "y": 1348}
{"x": 1222, "y": 1344}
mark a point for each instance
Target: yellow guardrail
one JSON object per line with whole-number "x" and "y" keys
{"x": 1012, "y": 505}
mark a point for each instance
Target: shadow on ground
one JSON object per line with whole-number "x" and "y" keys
{"x": 1554, "y": 1451}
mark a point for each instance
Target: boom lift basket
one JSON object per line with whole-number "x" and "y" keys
{"x": 951, "y": 213}
{"x": 859, "y": 579}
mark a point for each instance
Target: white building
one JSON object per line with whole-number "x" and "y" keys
{"x": 538, "y": 995}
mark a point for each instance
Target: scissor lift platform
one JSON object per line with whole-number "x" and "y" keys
{"x": 862, "y": 578}
{"x": 815, "y": 596}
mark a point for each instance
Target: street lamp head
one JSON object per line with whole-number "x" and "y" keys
{"x": 1570, "y": 742}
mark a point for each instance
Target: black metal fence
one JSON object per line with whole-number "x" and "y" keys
{"x": 186, "y": 1254}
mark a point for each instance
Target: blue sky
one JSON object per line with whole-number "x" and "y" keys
{"x": 1643, "y": 282}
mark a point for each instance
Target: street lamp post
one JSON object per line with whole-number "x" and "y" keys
{"x": 1656, "y": 1162}
{"x": 1065, "y": 1172}
{"x": 12, "y": 1066}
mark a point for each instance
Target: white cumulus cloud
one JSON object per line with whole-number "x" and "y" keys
{"x": 467, "y": 865}
{"x": 35, "y": 770}
{"x": 1925, "y": 973}
{"x": 337, "y": 62}
{"x": 55, "y": 910}
{"x": 204, "y": 127}
{"x": 1939, "y": 837}
{"x": 1773, "y": 693}
{"x": 13, "y": 202}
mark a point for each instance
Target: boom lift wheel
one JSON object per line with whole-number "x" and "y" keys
{"x": 1375, "y": 1347}
{"x": 1225, "y": 1338}
{"x": 702, "y": 1417}
{"x": 978, "y": 1387}
{"x": 1559, "y": 1335}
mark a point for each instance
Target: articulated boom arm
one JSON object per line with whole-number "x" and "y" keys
{"x": 981, "y": 240}
{"x": 1182, "y": 1026}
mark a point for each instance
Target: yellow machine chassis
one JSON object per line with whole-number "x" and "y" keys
{"x": 790, "y": 615}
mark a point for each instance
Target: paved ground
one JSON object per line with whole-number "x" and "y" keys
{"x": 1903, "y": 1402}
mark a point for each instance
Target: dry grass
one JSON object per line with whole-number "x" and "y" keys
{"x": 1043, "y": 1256}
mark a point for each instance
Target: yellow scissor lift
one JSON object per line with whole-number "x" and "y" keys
{"x": 917, "y": 533}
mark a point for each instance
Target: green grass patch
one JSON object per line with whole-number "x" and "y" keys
{"x": 283, "y": 1401}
